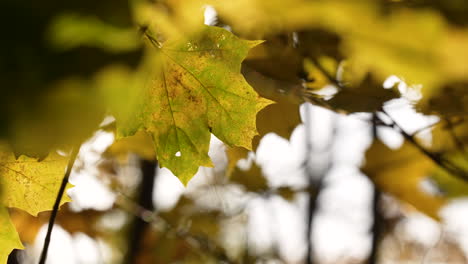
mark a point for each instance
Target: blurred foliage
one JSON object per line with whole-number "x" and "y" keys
{"x": 28, "y": 184}
{"x": 140, "y": 144}
{"x": 171, "y": 81}
{"x": 47, "y": 72}
{"x": 252, "y": 180}
{"x": 401, "y": 173}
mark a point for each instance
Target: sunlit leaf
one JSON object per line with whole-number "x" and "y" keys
{"x": 195, "y": 88}
{"x": 29, "y": 184}
{"x": 9, "y": 239}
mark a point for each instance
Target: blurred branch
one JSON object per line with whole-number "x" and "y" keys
{"x": 330, "y": 77}
{"x": 313, "y": 188}
{"x": 145, "y": 201}
{"x": 73, "y": 155}
{"x": 315, "y": 182}
{"x": 377, "y": 228}
{"x": 198, "y": 242}
{"x": 13, "y": 257}
{"x": 436, "y": 158}
{"x": 425, "y": 128}
{"x": 458, "y": 143}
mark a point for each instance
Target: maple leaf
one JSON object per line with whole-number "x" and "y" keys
{"x": 29, "y": 184}
{"x": 9, "y": 238}
{"x": 196, "y": 89}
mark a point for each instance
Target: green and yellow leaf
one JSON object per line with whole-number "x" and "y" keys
{"x": 195, "y": 88}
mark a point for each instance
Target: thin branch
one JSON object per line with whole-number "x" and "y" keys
{"x": 315, "y": 182}
{"x": 313, "y": 188}
{"x": 377, "y": 227}
{"x": 332, "y": 79}
{"x": 458, "y": 143}
{"x": 151, "y": 217}
{"x": 440, "y": 161}
{"x": 425, "y": 128}
{"x": 71, "y": 161}
{"x": 376, "y": 211}
{"x": 145, "y": 201}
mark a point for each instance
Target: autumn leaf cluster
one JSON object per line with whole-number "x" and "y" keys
{"x": 170, "y": 81}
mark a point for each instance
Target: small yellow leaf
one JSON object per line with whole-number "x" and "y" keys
{"x": 9, "y": 239}
{"x": 29, "y": 184}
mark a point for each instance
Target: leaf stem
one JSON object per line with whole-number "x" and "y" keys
{"x": 154, "y": 42}
{"x": 53, "y": 216}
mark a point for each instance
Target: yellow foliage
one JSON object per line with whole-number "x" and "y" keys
{"x": 29, "y": 184}
{"x": 400, "y": 173}
{"x": 9, "y": 239}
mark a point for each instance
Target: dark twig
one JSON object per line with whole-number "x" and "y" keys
{"x": 313, "y": 188}
{"x": 315, "y": 181}
{"x": 71, "y": 161}
{"x": 332, "y": 79}
{"x": 145, "y": 201}
{"x": 13, "y": 257}
{"x": 437, "y": 159}
{"x": 376, "y": 211}
{"x": 376, "y": 226}
{"x": 458, "y": 143}
{"x": 151, "y": 217}
{"x": 425, "y": 128}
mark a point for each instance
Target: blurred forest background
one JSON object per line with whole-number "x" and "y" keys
{"x": 360, "y": 156}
